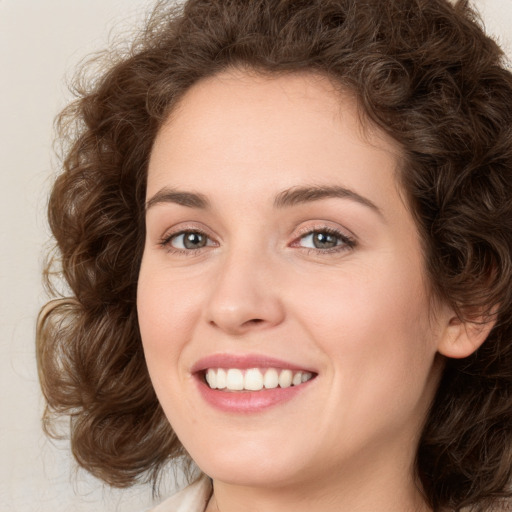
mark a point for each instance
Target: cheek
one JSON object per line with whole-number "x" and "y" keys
{"x": 373, "y": 323}
{"x": 167, "y": 314}
{"x": 385, "y": 296}
{"x": 380, "y": 358}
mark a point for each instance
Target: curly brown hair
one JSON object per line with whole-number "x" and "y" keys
{"x": 424, "y": 72}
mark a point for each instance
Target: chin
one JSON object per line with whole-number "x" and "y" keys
{"x": 251, "y": 465}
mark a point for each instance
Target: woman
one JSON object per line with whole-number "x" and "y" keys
{"x": 287, "y": 232}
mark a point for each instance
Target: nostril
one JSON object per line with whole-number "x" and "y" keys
{"x": 254, "y": 321}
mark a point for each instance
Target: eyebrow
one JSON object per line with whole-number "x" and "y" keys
{"x": 287, "y": 198}
{"x": 171, "y": 195}
{"x": 299, "y": 195}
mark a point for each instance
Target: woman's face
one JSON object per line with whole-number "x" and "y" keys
{"x": 279, "y": 249}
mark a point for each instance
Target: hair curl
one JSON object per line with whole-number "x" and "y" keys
{"x": 426, "y": 74}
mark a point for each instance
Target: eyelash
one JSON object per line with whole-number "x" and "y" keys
{"x": 346, "y": 242}
{"x": 165, "y": 242}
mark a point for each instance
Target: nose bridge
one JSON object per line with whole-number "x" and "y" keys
{"x": 243, "y": 295}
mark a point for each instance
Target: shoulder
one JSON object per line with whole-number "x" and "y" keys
{"x": 193, "y": 498}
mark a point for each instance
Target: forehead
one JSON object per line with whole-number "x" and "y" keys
{"x": 239, "y": 127}
{"x": 296, "y": 95}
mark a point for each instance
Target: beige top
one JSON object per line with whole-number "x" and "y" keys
{"x": 193, "y": 498}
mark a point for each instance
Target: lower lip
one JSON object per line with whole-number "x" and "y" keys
{"x": 248, "y": 401}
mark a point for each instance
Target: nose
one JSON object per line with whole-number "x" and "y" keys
{"x": 245, "y": 295}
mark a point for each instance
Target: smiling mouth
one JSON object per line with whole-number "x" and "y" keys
{"x": 254, "y": 379}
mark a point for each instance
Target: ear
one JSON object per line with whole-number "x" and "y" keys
{"x": 461, "y": 338}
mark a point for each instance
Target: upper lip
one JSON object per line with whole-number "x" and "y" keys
{"x": 244, "y": 362}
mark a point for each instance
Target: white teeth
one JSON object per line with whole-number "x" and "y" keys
{"x": 235, "y": 380}
{"x": 211, "y": 378}
{"x": 254, "y": 379}
{"x": 221, "y": 378}
{"x": 285, "y": 378}
{"x": 271, "y": 379}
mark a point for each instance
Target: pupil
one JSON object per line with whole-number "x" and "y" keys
{"x": 194, "y": 240}
{"x": 324, "y": 241}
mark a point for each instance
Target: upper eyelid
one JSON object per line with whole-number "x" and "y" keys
{"x": 169, "y": 236}
{"x": 173, "y": 236}
{"x": 345, "y": 240}
{"x": 184, "y": 227}
{"x": 298, "y": 233}
{"x": 326, "y": 226}
{"x": 165, "y": 242}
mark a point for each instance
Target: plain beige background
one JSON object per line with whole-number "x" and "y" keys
{"x": 40, "y": 43}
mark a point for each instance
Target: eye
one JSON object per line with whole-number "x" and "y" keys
{"x": 325, "y": 239}
{"x": 187, "y": 240}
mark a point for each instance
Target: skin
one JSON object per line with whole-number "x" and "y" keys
{"x": 358, "y": 315}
